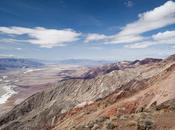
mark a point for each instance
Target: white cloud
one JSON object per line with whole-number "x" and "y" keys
{"x": 137, "y": 45}
{"x": 113, "y": 39}
{"x": 151, "y": 20}
{"x": 124, "y": 38}
{"x": 141, "y": 45}
{"x": 94, "y": 36}
{"x": 43, "y": 36}
{"x": 167, "y": 37}
{"x": 132, "y": 33}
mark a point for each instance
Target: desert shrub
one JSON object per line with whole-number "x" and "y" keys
{"x": 123, "y": 117}
{"x": 95, "y": 127}
{"x": 101, "y": 119}
{"x": 132, "y": 123}
{"x": 146, "y": 123}
{"x": 90, "y": 124}
{"x": 110, "y": 126}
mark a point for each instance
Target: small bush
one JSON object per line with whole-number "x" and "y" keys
{"x": 95, "y": 127}
{"x": 123, "y": 117}
{"x": 132, "y": 123}
{"x": 146, "y": 124}
{"x": 102, "y": 119}
{"x": 110, "y": 126}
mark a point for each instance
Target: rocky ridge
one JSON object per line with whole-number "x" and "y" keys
{"x": 53, "y": 108}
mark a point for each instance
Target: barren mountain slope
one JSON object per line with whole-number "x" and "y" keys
{"x": 130, "y": 107}
{"x": 119, "y": 87}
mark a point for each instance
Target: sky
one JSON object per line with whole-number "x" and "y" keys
{"x": 87, "y": 29}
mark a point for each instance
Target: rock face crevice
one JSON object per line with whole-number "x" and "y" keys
{"x": 43, "y": 109}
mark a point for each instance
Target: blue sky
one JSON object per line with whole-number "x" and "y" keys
{"x": 87, "y": 29}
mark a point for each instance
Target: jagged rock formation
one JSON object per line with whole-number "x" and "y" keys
{"x": 104, "y": 69}
{"x": 71, "y": 103}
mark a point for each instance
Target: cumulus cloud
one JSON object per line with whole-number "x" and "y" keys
{"x": 124, "y": 38}
{"x": 151, "y": 20}
{"x": 94, "y": 36}
{"x": 113, "y": 39}
{"x": 42, "y": 36}
{"x": 142, "y": 44}
{"x": 133, "y": 32}
{"x": 167, "y": 37}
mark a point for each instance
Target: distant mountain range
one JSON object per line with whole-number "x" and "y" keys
{"x": 18, "y": 63}
{"x": 81, "y": 62}
{"x": 14, "y": 63}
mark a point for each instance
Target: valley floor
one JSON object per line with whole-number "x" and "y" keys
{"x": 16, "y": 86}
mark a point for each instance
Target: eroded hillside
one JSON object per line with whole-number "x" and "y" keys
{"x": 106, "y": 101}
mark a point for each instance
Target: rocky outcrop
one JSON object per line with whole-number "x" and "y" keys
{"x": 145, "y": 61}
{"x": 170, "y": 58}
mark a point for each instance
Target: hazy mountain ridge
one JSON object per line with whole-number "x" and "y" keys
{"x": 14, "y": 63}
{"x": 81, "y": 62}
